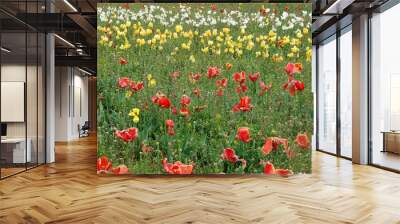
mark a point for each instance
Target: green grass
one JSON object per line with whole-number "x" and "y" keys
{"x": 201, "y": 138}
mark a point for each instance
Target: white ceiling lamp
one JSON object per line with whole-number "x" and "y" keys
{"x": 65, "y": 41}
{"x": 5, "y": 50}
{"x": 70, "y": 5}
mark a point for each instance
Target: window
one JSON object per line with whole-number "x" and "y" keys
{"x": 327, "y": 96}
{"x": 385, "y": 89}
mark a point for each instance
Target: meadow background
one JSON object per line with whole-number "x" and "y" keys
{"x": 133, "y": 42}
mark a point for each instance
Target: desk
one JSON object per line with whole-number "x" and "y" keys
{"x": 13, "y": 150}
{"x": 391, "y": 141}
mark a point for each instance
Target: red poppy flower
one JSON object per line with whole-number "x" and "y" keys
{"x": 121, "y": 169}
{"x": 239, "y": 77}
{"x": 229, "y": 155}
{"x": 243, "y": 134}
{"x": 293, "y": 68}
{"x": 302, "y": 141}
{"x": 124, "y": 82}
{"x": 103, "y": 165}
{"x": 184, "y": 111}
{"x": 228, "y": 66}
{"x": 196, "y": 76}
{"x": 175, "y": 74}
{"x": 196, "y": 92}
{"x": 270, "y": 169}
{"x": 264, "y": 87}
{"x": 243, "y": 105}
{"x": 177, "y": 167}
{"x": 222, "y": 10}
{"x": 136, "y": 86}
{"x": 123, "y": 61}
{"x": 254, "y": 77}
{"x": 185, "y": 100}
{"x": 169, "y": 123}
{"x": 286, "y": 8}
{"x": 163, "y": 102}
{"x": 213, "y": 7}
{"x": 128, "y": 134}
{"x": 222, "y": 82}
{"x": 213, "y": 72}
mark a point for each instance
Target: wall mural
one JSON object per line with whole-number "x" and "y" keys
{"x": 204, "y": 89}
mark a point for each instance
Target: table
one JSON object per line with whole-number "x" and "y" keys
{"x": 391, "y": 141}
{"x": 13, "y": 150}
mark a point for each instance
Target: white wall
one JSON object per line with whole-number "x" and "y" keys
{"x": 70, "y": 83}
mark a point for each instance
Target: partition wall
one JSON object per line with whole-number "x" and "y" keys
{"x": 22, "y": 77}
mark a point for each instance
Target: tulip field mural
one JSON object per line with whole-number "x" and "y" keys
{"x": 204, "y": 89}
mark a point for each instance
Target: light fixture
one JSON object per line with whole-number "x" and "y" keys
{"x": 5, "y": 50}
{"x": 84, "y": 71}
{"x": 65, "y": 41}
{"x": 70, "y": 5}
{"x": 337, "y": 7}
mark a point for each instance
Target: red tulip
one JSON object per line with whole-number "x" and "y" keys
{"x": 264, "y": 87}
{"x": 220, "y": 92}
{"x": 124, "y": 82}
{"x": 136, "y": 87}
{"x": 270, "y": 169}
{"x": 222, "y": 82}
{"x": 213, "y": 7}
{"x": 128, "y": 134}
{"x": 170, "y": 131}
{"x": 185, "y": 100}
{"x": 229, "y": 155}
{"x": 175, "y": 74}
{"x": 228, "y": 66}
{"x": 164, "y": 102}
{"x": 243, "y": 105}
{"x": 122, "y": 61}
{"x": 169, "y": 123}
{"x": 293, "y": 86}
{"x": 103, "y": 165}
{"x": 273, "y": 143}
{"x": 121, "y": 169}
{"x": 291, "y": 68}
{"x": 184, "y": 111}
{"x": 196, "y": 76}
{"x": 177, "y": 167}
{"x": 243, "y": 134}
{"x": 196, "y": 92}
{"x": 174, "y": 110}
{"x": 213, "y": 72}
{"x": 302, "y": 141}
{"x": 241, "y": 88}
{"x": 267, "y": 147}
{"x": 239, "y": 77}
{"x": 254, "y": 77}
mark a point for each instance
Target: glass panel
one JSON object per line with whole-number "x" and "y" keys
{"x": 13, "y": 87}
{"x": 327, "y": 96}
{"x": 346, "y": 94}
{"x": 385, "y": 84}
{"x": 31, "y": 98}
{"x": 41, "y": 99}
